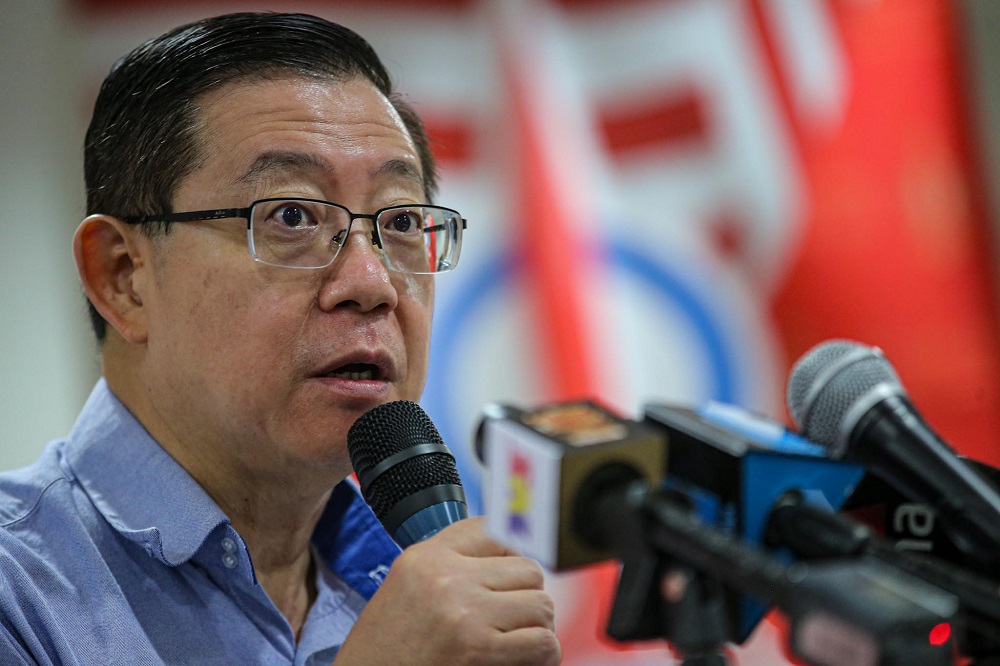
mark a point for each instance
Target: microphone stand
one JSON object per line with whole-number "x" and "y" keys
{"x": 696, "y": 616}
{"x": 659, "y": 597}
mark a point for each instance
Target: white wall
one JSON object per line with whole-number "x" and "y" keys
{"x": 47, "y": 358}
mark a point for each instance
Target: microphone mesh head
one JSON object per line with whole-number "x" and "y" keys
{"x": 386, "y": 430}
{"x": 829, "y": 380}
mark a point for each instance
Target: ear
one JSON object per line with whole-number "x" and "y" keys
{"x": 112, "y": 258}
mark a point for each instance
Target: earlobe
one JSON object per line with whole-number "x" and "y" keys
{"x": 111, "y": 261}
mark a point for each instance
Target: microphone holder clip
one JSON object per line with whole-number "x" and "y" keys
{"x": 660, "y": 597}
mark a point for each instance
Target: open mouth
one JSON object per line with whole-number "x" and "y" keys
{"x": 356, "y": 371}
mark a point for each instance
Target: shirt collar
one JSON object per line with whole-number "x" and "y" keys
{"x": 137, "y": 486}
{"x": 150, "y": 499}
{"x": 353, "y": 542}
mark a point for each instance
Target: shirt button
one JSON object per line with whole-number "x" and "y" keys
{"x": 228, "y": 545}
{"x": 230, "y": 560}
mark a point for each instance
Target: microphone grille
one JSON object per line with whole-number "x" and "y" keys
{"x": 829, "y": 380}
{"x": 387, "y": 430}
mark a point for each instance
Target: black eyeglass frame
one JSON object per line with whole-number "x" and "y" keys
{"x": 247, "y": 214}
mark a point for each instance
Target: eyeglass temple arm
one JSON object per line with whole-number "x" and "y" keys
{"x": 439, "y": 227}
{"x": 193, "y": 216}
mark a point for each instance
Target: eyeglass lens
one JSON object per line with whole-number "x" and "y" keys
{"x": 308, "y": 234}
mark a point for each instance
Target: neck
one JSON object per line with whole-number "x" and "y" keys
{"x": 278, "y": 530}
{"x": 276, "y": 516}
{"x": 273, "y": 501}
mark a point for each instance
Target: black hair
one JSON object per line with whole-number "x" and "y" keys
{"x": 143, "y": 138}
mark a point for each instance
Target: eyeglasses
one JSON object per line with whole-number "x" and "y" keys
{"x": 309, "y": 233}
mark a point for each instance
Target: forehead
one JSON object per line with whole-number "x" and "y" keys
{"x": 252, "y": 131}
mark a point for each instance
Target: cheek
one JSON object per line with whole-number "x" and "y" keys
{"x": 416, "y": 297}
{"x": 416, "y": 302}
{"x": 416, "y": 289}
{"x": 228, "y": 326}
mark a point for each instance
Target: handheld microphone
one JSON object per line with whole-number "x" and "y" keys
{"x": 847, "y": 397}
{"x": 407, "y": 474}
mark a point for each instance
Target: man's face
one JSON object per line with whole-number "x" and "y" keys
{"x": 259, "y": 364}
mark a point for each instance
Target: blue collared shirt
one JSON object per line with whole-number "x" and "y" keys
{"x": 111, "y": 553}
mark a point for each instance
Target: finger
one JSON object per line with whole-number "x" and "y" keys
{"x": 531, "y": 646}
{"x": 468, "y": 537}
{"x": 522, "y": 609}
{"x": 503, "y": 574}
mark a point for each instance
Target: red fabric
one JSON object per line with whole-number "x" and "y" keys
{"x": 895, "y": 246}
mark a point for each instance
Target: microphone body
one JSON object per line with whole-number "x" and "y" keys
{"x": 407, "y": 474}
{"x": 817, "y": 534}
{"x": 428, "y": 521}
{"x": 847, "y": 397}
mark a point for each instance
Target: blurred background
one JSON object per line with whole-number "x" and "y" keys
{"x": 668, "y": 201}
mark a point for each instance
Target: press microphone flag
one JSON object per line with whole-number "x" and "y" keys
{"x": 745, "y": 462}
{"x": 535, "y": 462}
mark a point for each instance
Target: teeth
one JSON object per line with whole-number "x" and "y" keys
{"x": 367, "y": 374}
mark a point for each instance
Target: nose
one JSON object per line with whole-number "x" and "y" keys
{"x": 358, "y": 277}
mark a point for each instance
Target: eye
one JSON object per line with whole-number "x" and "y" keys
{"x": 293, "y": 214}
{"x": 404, "y": 222}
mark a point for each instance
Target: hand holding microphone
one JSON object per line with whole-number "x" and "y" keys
{"x": 457, "y": 598}
{"x": 454, "y": 596}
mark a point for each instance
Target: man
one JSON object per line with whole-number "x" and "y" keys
{"x": 258, "y": 257}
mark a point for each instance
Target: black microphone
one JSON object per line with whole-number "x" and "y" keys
{"x": 407, "y": 474}
{"x": 847, "y": 396}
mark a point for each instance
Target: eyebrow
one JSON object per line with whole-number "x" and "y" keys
{"x": 277, "y": 161}
{"x": 401, "y": 169}
{"x": 272, "y": 162}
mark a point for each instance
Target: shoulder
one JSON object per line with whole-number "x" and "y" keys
{"x": 49, "y": 562}
{"x": 46, "y": 523}
{"x": 36, "y": 509}
{"x": 26, "y": 491}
